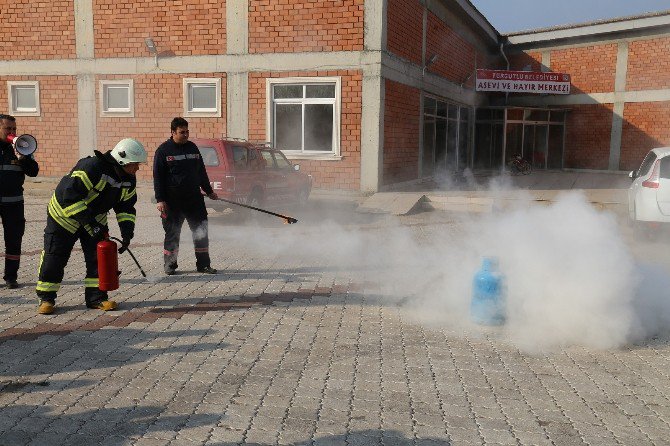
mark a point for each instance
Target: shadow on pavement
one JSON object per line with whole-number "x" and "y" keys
{"x": 122, "y": 425}
{"x": 44, "y": 425}
{"x": 88, "y": 352}
{"x": 203, "y": 304}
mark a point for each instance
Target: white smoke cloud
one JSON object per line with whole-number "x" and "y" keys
{"x": 569, "y": 276}
{"x": 200, "y": 231}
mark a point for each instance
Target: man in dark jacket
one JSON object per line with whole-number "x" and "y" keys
{"x": 179, "y": 175}
{"x": 78, "y": 211}
{"x": 13, "y": 171}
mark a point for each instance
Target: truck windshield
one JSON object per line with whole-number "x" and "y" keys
{"x": 282, "y": 162}
{"x": 209, "y": 156}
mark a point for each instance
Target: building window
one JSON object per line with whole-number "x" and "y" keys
{"x": 202, "y": 97}
{"x": 24, "y": 98}
{"x": 116, "y": 98}
{"x": 446, "y": 136}
{"x": 304, "y": 116}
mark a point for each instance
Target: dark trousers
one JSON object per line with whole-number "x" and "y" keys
{"x": 13, "y": 226}
{"x": 195, "y": 213}
{"x": 58, "y": 244}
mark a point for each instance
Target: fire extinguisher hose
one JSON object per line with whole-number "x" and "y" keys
{"x": 286, "y": 218}
{"x": 131, "y": 255}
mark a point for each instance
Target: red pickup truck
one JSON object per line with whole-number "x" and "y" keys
{"x": 253, "y": 174}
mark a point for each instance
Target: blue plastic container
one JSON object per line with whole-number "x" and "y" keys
{"x": 488, "y": 303}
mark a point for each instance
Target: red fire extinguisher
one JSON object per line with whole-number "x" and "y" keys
{"x": 108, "y": 265}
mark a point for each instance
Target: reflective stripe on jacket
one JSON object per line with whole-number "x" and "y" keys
{"x": 13, "y": 173}
{"x": 179, "y": 172}
{"x": 95, "y": 186}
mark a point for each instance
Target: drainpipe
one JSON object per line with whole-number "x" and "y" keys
{"x": 504, "y": 150}
{"x": 502, "y": 51}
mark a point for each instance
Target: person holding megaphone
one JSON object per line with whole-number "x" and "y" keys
{"x": 15, "y": 166}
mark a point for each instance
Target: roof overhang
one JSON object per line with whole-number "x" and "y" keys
{"x": 601, "y": 28}
{"x": 479, "y": 19}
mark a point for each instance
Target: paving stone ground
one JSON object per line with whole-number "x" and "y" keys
{"x": 290, "y": 345}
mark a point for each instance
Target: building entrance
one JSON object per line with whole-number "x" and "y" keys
{"x": 535, "y": 134}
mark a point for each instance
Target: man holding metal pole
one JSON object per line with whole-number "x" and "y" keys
{"x": 179, "y": 177}
{"x": 13, "y": 170}
{"x": 78, "y": 211}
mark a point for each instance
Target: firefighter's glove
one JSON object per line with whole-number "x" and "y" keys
{"x": 124, "y": 245}
{"x": 98, "y": 232}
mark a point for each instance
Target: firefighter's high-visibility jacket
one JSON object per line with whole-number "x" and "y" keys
{"x": 95, "y": 185}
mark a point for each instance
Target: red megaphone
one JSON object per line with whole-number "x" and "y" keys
{"x": 24, "y": 144}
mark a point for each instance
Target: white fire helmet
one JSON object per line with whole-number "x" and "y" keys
{"x": 128, "y": 151}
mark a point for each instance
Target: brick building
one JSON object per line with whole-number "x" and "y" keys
{"x": 620, "y": 102}
{"x": 362, "y": 93}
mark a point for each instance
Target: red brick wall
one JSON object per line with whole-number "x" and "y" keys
{"x": 588, "y": 133}
{"x": 519, "y": 62}
{"x": 405, "y": 29}
{"x": 401, "y": 133}
{"x": 181, "y": 28}
{"x": 344, "y": 174}
{"x": 158, "y": 99}
{"x": 592, "y": 68}
{"x": 645, "y": 126}
{"x": 292, "y": 26}
{"x": 456, "y": 57}
{"x": 648, "y": 64}
{"x": 37, "y": 30}
{"x": 56, "y": 129}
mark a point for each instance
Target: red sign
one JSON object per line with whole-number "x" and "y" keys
{"x": 533, "y": 82}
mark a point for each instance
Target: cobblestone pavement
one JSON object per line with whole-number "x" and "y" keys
{"x": 295, "y": 349}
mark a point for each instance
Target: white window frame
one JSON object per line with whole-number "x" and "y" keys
{"x": 201, "y": 112}
{"x": 105, "y": 110}
{"x": 336, "y": 101}
{"x": 13, "y": 108}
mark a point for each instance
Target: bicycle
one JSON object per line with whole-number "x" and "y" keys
{"x": 519, "y": 166}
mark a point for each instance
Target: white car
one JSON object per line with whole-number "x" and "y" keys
{"x": 649, "y": 195}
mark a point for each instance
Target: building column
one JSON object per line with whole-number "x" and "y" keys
{"x": 375, "y": 25}
{"x": 237, "y": 26}
{"x": 87, "y": 111}
{"x": 372, "y": 118}
{"x": 237, "y": 105}
{"x": 372, "y": 133}
{"x": 618, "y": 106}
{"x": 424, "y": 39}
{"x": 83, "y": 28}
{"x": 237, "y": 82}
{"x": 86, "y": 103}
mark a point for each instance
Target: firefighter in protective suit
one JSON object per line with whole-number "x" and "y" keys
{"x": 78, "y": 211}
